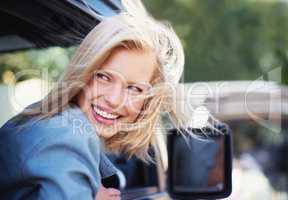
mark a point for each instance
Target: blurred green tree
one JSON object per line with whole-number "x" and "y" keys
{"x": 46, "y": 63}
{"x": 229, "y": 40}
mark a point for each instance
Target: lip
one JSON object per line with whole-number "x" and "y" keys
{"x": 101, "y": 119}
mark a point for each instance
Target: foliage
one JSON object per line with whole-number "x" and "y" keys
{"x": 44, "y": 63}
{"x": 229, "y": 40}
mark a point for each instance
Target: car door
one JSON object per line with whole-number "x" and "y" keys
{"x": 143, "y": 181}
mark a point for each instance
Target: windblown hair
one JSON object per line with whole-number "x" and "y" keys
{"x": 131, "y": 29}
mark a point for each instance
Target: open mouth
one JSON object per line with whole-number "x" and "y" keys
{"x": 103, "y": 116}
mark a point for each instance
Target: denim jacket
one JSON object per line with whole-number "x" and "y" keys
{"x": 53, "y": 158}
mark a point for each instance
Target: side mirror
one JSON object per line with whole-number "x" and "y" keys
{"x": 200, "y": 167}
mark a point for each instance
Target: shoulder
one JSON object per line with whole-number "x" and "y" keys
{"x": 70, "y": 129}
{"x": 52, "y": 148}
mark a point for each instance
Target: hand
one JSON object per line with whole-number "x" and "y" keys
{"x": 108, "y": 194}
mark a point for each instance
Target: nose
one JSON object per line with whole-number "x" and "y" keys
{"x": 114, "y": 96}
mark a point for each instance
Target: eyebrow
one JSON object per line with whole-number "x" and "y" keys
{"x": 140, "y": 83}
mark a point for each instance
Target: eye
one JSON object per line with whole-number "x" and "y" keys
{"x": 135, "y": 89}
{"x": 102, "y": 76}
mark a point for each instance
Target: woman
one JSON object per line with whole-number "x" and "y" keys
{"x": 115, "y": 86}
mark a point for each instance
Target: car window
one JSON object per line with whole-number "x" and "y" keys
{"x": 137, "y": 173}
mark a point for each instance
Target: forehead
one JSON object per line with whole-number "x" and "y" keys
{"x": 134, "y": 65}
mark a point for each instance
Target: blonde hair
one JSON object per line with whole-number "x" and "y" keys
{"x": 132, "y": 30}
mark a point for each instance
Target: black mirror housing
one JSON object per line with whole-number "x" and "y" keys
{"x": 200, "y": 167}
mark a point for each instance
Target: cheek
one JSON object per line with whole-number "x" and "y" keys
{"x": 91, "y": 91}
{"x": 135, "y": 107}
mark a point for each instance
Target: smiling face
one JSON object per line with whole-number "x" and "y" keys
{"x": 109, "y": 98}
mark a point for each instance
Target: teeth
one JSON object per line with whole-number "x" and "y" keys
{"x": 104, "y": 114}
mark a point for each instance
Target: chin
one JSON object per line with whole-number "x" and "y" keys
{"x": 107, "y": 135}
{"x": 104, "y": 131}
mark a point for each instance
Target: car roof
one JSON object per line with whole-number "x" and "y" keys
{"x": 39, "y": 24}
